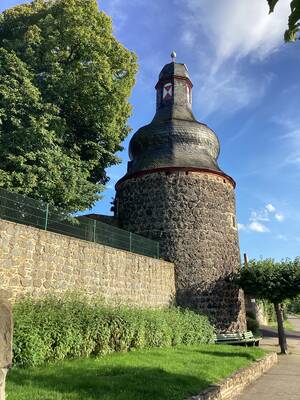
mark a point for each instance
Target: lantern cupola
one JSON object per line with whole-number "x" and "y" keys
{"x": 174, "y": 138}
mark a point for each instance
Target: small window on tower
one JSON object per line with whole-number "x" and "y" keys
{"x": 189, "y": 94}
{"x": 233, "y": 221}
{"x": 167, "y": 91}
{"x": 158, "y": 100}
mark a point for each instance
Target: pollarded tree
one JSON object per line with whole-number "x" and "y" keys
{"x": 290, "y": 34}
{"x": 64, "y": 88}
{"x": 273, "y": 281}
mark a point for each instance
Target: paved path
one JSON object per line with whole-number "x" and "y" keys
{"x": 282, "y": 381}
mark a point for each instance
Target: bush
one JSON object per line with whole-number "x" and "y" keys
{"x": 53, "y": 329}
{"x": 293, "y": 306}
{"x": 252, "y": 325}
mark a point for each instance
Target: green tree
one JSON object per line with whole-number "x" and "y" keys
{"x": 291, "y": 34}
{"x": 64, "y": 88}
{"x": 273, "y": 281}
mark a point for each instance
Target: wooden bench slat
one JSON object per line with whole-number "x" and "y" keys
{"x": 237, "y": 338}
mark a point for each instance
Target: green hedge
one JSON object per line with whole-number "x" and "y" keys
{"x": 293, "y": 306}
{"x": 252, "y": 325}
{"x": 54, "y": 329}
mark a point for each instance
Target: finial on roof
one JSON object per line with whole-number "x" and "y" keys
{"x": 173, "y": 56}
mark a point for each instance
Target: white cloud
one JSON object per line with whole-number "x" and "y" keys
{"x": 261, "y": 215}
{"x": 289, "y": 134}
{"x": 258, "y": 227}
{"x": 293, "y": 134}
{"x": 226, "y": 89}
{"x": 231, "y": 31}
{"x": 258, "y": 218}
{"x": 242, "y": 227}
{"x": 290, "y": 160}
{"x": 279, "y": 217}
{"x": 265, "y": 214}
{"x": 270, "y": 208}
{"x": 238, "y": 28}
{"x": 282, "y": 237}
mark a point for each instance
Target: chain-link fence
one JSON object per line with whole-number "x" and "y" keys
{"x": 24, "y": 210}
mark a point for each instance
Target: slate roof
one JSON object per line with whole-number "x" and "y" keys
{"x": 174, "y": 138}
{"x": 172, "y": 69}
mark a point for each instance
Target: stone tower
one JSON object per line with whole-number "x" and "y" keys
{"x": 175, "y": 192}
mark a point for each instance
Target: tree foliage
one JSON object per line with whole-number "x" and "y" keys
{"x": 291, "y": 34}
{"x": 273, "y": 281}
{"x": 64, "y": 88}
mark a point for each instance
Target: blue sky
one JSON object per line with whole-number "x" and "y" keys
{"x": 246, "y": 88}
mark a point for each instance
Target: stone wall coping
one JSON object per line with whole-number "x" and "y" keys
{"x": 233, "y": 385}
{"x": 174, "y": 169}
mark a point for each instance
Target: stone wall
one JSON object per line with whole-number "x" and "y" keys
{"x": 192, "y": 214}
{"x": 257, "y": 309}
{"x": 229, "y": 388}
{"x": 36, "y": 262}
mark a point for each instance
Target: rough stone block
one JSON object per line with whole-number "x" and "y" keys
{"x": 195, "y": 233}
{"x": 81, "y": 266}
{"x": 6, "y": 332}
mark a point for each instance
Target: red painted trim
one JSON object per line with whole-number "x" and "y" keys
{"x": 166, "y": 80}
{"x": 174, "y": 169}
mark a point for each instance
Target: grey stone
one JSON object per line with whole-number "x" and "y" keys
{"x": 175, "y": 192}
{"x": 203, "y": 245}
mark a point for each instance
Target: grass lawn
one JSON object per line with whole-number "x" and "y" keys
{"x": 156, "y": 374}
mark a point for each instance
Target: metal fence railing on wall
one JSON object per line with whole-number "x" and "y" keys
{"x": 24, "y": 210}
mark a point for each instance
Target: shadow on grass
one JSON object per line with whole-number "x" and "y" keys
{"x": 220, "y": 353}
{"x": 118, "y": 383}
{"x": 232, "y": 354}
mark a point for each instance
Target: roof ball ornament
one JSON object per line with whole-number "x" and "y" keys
{"x": 173, "y": 56}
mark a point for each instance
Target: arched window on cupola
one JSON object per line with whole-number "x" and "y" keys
{"x": 189, "y": 93}
{"x": 167, "y": 91}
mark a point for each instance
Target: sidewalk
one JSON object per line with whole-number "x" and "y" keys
{"x": 283, "y": 380}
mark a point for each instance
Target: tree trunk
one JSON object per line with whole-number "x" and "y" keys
{"x": 281, "y": 332}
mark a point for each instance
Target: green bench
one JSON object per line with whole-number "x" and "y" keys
{"x": 240, "y": 339}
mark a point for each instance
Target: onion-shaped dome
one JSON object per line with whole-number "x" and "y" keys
{"x": 174, "y": 143}
{"x": 174, "y": 138}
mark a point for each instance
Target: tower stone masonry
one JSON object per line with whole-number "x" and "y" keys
{"x": 175, "y": 192}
